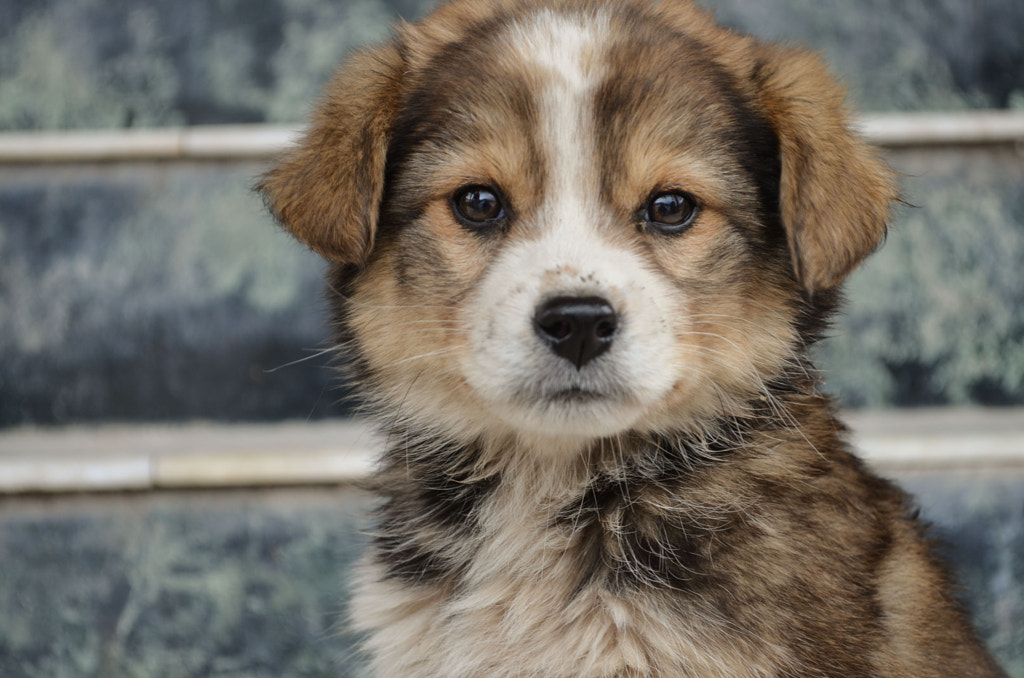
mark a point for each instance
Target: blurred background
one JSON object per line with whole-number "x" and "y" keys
{"x": 145, "y": 291}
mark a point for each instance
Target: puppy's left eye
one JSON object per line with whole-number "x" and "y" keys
{"x": 477, "y": 205}
{"x": 671, "y": 212}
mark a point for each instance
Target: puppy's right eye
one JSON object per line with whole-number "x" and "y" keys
{"x": 477, "y": 205}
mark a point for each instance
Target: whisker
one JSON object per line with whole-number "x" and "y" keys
{"x": 444, "y": 351}
{"x": 330, "y": 349}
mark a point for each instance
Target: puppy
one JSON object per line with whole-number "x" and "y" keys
{"x": 580, "y": 250}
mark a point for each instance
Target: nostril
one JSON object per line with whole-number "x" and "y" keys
{"x": 606, "y": 328}
{"x": 576, "y": 328}
{"x": 557, "y": 329}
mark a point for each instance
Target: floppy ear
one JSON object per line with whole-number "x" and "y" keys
{"x": 835, "y": 192}
{"x": 327, "y": 191}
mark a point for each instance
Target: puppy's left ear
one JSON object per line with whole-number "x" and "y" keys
{"x": 327, "y": 191}
{"x": 835, "y": 193}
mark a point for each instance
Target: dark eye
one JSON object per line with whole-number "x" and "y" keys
{"x": 671, "y": 212}
{"x": 477, "y": 205}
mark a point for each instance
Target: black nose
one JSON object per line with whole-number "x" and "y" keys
{"x": 576, "y": 328}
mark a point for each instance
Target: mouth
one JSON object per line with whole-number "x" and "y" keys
{"x": 572, "y": 409}
{"x": 571, "y": 394}
{"x": 574, "y": 394}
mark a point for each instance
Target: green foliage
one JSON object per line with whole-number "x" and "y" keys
{"x": 50, "y": 77}
{"x": 181, "y": 587}
{"x": 93, "y": 63}
{"x": 316, "y": 37}
{"x": 127, "y": 244}
{"x": 89, "y": 64}
{"x": 944, "y": 296}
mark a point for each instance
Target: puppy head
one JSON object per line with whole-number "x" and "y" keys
{"x": 573, "y": 219}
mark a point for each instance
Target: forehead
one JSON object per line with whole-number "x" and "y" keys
{"x": 516, "y": 91}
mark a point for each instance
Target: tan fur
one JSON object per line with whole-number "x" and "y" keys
{"x": 835, "y": 195}
{"x": 683, "y": 504}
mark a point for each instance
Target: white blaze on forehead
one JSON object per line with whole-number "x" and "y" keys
{"x": 558, "y": 249}
{"x": 565, "y": 51}
{"x": 563, "y": 44}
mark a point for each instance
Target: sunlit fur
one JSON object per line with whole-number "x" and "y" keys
{"x": 685, "y": 504}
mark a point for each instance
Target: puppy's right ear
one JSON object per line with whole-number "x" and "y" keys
{"x": 328, "y": 190}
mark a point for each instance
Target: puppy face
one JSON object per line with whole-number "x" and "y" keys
{"x": 571, "y": 220}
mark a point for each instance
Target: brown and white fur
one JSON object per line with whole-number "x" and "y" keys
{"x": 673, "y": 496}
